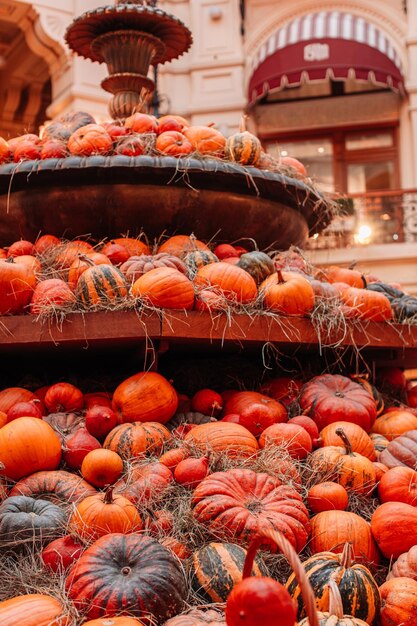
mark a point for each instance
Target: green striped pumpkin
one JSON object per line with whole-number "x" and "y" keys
{"x": 198, "y": 258}
{"x": 100, "y": 285}
{"x": 243, "y": 148}
{"x": 217, "y": 568}
{"x": 358, "y": 589}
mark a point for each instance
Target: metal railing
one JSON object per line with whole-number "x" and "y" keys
{"x": 382, "y": 217}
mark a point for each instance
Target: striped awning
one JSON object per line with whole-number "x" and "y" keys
{"x": 326, "y": 44}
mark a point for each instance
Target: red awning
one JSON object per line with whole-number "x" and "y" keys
{"x": 325, "y": 45}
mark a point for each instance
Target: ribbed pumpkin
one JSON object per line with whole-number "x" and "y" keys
{"x": 224, "y": 438}
{"x": 366, "y": 304}
{"x": 379, "y": 442}
{"x": 395, "y": 423}
{"x": 145, "y": 484}
{"x": 330, "y": 530}
{"x": 68, "y": 252}
{"x": 217, "y": 567}
{"x": 57, "y": 486}
{"x": 145, "y": 397}
{"x": 405, "y": 565}
{"x": 23, "y": 518}
{"x": 236, "y": 284}
{"x": 165, "y": 288}
{"x": 358, "y": 589}
{"x": 181, "y": 245}
{"x": 401, "y": 451}
{"x": 136, "y": 266}
{"x": 82, "y": 263}
{"x": 243, "y": 147}
{"x": 258, "y": 264}
{"x": 198, "y": 258}
{"x": 394, "y": 527}
{"x": 197, "y": 617}
{"x": 28, "y": 445}
{"x": 359, "y": 439}
{"x": 327, "y": 496}
{"x": 398, "y": 484}
{"x": 237, "y": 503}
{"x": 399, "y": 602}
{"x": 127, "y": 574}
{"x": 17, "y": 282}
{"x": 135, "y": 439}
{"x": 288, "y": 293}
{"x": 105, "y": 513}
{"x": 334, "y": 617}
{"x": 33, "y": 609}
{"x": 100, "y": 285}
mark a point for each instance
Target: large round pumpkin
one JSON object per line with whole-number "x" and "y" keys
{"x": 217, "y": 568}
{"x": 23, "y": 518}
{"x": 28, "y": 445}
{"x": 399, "y": 602}
{"x": 223, "y": 438}
{"x": 359, "y": 439}
{"x": 358, "y": 589}
{"x": 127, "y": 573}
{"x": 17, "y": 282}
{"x": 394, "y": 527}
{"x": 237, "y": 285}
{"x": 166, "y": 288}
{"x": 33, "y": 609}
{"x": 101, "y": 285}
{"x": 145, "y": 397}
{"x": 333, "y": 398}
{"x": 135, "y": 439}
{"x": 237, "y": 503}
{"x": 288, "y": 293}
{"x": 330, "y": 530}
{"x": 402, "y": 451}
{"x": 56, "y": 486}
{"x": 395, "y": 423}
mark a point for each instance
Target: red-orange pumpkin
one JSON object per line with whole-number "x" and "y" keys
{"x": 131, "y": 440}
{"x": 327, "y": 496}
{"x": 256, "y": 411}
{"x": 33, "y": 609}
{"x": 288, "y": 293}
{"x": 398, "y": 484}
{"x": 224, "y": 438}
{"x": 166, "y": 288}
{"x": 394, "y": 527}
{"x": 17, "y": 282}
{"x": 50, "y": 294}
{"x": 359, "y": 439}
{"x": 395, "y": 423}
{"x": 236, "y": 284}
{"x": 399, "y": 602}
{"x": 291, "y": 437}
{"x": 181, "y": 245}
{"x": 145, "y": 397}
{"x": 90, "y": 139}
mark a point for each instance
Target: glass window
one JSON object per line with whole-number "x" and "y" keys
{"x": 315, "y": 154}
{"x": 365, "y": 141}
{"x": 364, "y": 177}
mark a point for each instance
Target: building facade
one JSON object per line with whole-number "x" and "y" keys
{"x": 333, "y": 83}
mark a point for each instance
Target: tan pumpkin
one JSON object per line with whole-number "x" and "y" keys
{"x": 198, "y": 617}
{"x": 405, "y": 565}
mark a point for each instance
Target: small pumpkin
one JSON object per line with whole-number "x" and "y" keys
{"x": 146, "y": 483}
{"x": 394, "y": 527}
{"x": 291, "y": 437}
{"x": 61, "y": 553}
{"x": 367, "y": 305}
{"x": 181, "y": 245}
{"x": 102, "y": 467}
{"x": 236, "y": 284}
{"x": 206, "y": 140}
{"x": 100, "y": 285}
{"x": 196, "y": 259}
{"x": 327, "y": 496}
{"x": 399, "y": 601}
{"x": 50, "y": 294}
{"x": 350, "y": 276}
{"x": 136, "y": 266}
{"x": 90, "y": 139}
{"x": 82, "y": 262}
{"x": 288, "y": 293}
{"x": 398, "y": 484}
{"x": 258, "y": 264}
{"x": 173, "y": 143}
{"x": 243, "y": 147}
{"x": 64, "y": 397}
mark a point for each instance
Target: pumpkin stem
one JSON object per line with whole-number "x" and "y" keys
{"x": 10, "y": 259}
{"x": 346, "y": 560}
{"x": 86, "y": 259}
{"x": 335, "y": 600}
{"x": 365, "y": 282}
{"x": 108, "y": 495}
{"x": 242, "y": 125}
{"x": 280, "y": 277}
{"x": 346, "y": 441}
{"x": 352, "y": 265}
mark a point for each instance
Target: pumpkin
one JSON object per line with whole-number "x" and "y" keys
{"x": 61, "y": 553}
{"x": 191, "y": 417}
{"x": 24, "y": 409}
{"x": 166, "y": 288}
{"x": 401, "y": 451}
{"x": 284, "y": 389}
{"x": 399, "y": 602}
{"x": 69, "y": 252}
{"x": 358, "y": 438}
{"x": 223, "y": 438}
{"x": 323, "y": 290}
{"x": 57, "y": 486}
{"x": 379, "y": 442}
{"x": 102, "y": 467}
{"x": 380, "y": 470}
{"x": 23, "y": 518}
{"x": 243, "y": 147}
{"x": 207, "y": 401}
{"x": 130, "y": 145}
{"x": 367, "y": 305}
{"x": 288, "y": 293}
{"x": 258, "y": 264}
{"x": 293, "y": 438}
{"x": 54, "y": 149}
{"x": 62, "y": 127}
{"x": 28, "y": 445}
{"x": 63, "y": 397}
{"x": 31, "y": 261}
{"x": 196, "y": 259}
{"x": 100, "y": 420}
{"x": 114, "y": 621}
{"x": 127, "y": 573}
{"x": 217, "y": 567}
{"x": 363, "y": 380}
{"x": 142, "y": 123}
{"x": 405, "y": 565}
{"x": 206, "y": 140}
{"x": 330, "y": 530}
{"x": 171, "y": 458}
{"x": 134, "y": 439}
{"x": 12, "y": 395}
{"x": 82, "y": 262}
{"x": 398, "y": 484}
{"x": 115, "y": 252}
{"x": 21, "y": 247}
{"x": 51, "y": 293}
{"x": 145, "y": 397}
{"x": 33, "y": 609}
{"x": 350, "y": 276}
{"x": 239, "y": 502}
{"x": 358, "y": 589}
{"x": 136, "y": 266}
{"x": 45, "y": 243}
{"x": 181, "y": 245}
{"x": 197, "y": 617}
{"x": 171, "y": 122}
{"x": 331, "y": 398}
{"x": 394, "y": 527}
{"x": 100, "y": 285}
{"x": 17, "y": 282}
{"x": 64, "y": 424}
{"x": 133, "y": 244}
{"x": 334, "y": 617}
{"x": 256, "y": 411}
{"x": 173, "y": 143}
{"x": 146, "y": 483}
{"x": 233, "y": 282}
{"x": 105, "y": 513}
{"x": 395, "y": 423}
{"x": 26, "y": 150}
{"x": 190, "y": 472}
{"x": 90, "y": 139}
{"x": 327, "y": 496}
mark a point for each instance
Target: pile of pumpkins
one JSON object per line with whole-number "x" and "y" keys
{"x": 78, "y": 134}
{"x": 89, "y": 482}
{"x": 184, "y": 273}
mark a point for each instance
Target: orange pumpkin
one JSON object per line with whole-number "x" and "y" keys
{"x": 82, "y": 263}
{"x": 395, "y": 423}
{"x": 31, "y": 261}
{"x": 17, "y": 282}
{"x": 102, "y": 467}
{"x": 134, "y": 439}
{"x": 224, "y": 438}
{"x": 133, "y": 245}
{"x": 236, "y": 284}
{"x": 51, "y": 293}
{"x": 206, "y": 140}
{"x": 28, "y": 445}
{"x": 399, "y": 484}
{"x": 288, "y": 293}
{"x": 100, "y": 285}
{"x": 399, "y": 602}
{"x": 405, "y": 565}
{"x": 394, "y": 527}
{"x": 90, "y": 139}
{"x": 358, "y": 437}
{"x": 174, "y": 143}
{"x": 33, "y": 609}
{"x": 291, "y": 437}
{"x": 12, "y": 395}
{"x": 181, "y": 245}
{"x": 70, "y": 251}
{"x": 165, "y": 287}
{"x": 367, "y": 304}
{"x": 335, "y": 274}
{"x": 173, "y": 457}
{"x": 327, "y": 496}
{"x": 145, "y": 397}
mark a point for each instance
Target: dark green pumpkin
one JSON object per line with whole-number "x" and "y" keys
{"x": 243, "y": 148}
{"x": 217, "y": 567}
{"x": 100, "y": 285}
{"x": 191, "y": 417}
{"x": 198, "y": 258}
{"x": 358, "y": 589}
{"x": 258, "y": 264}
